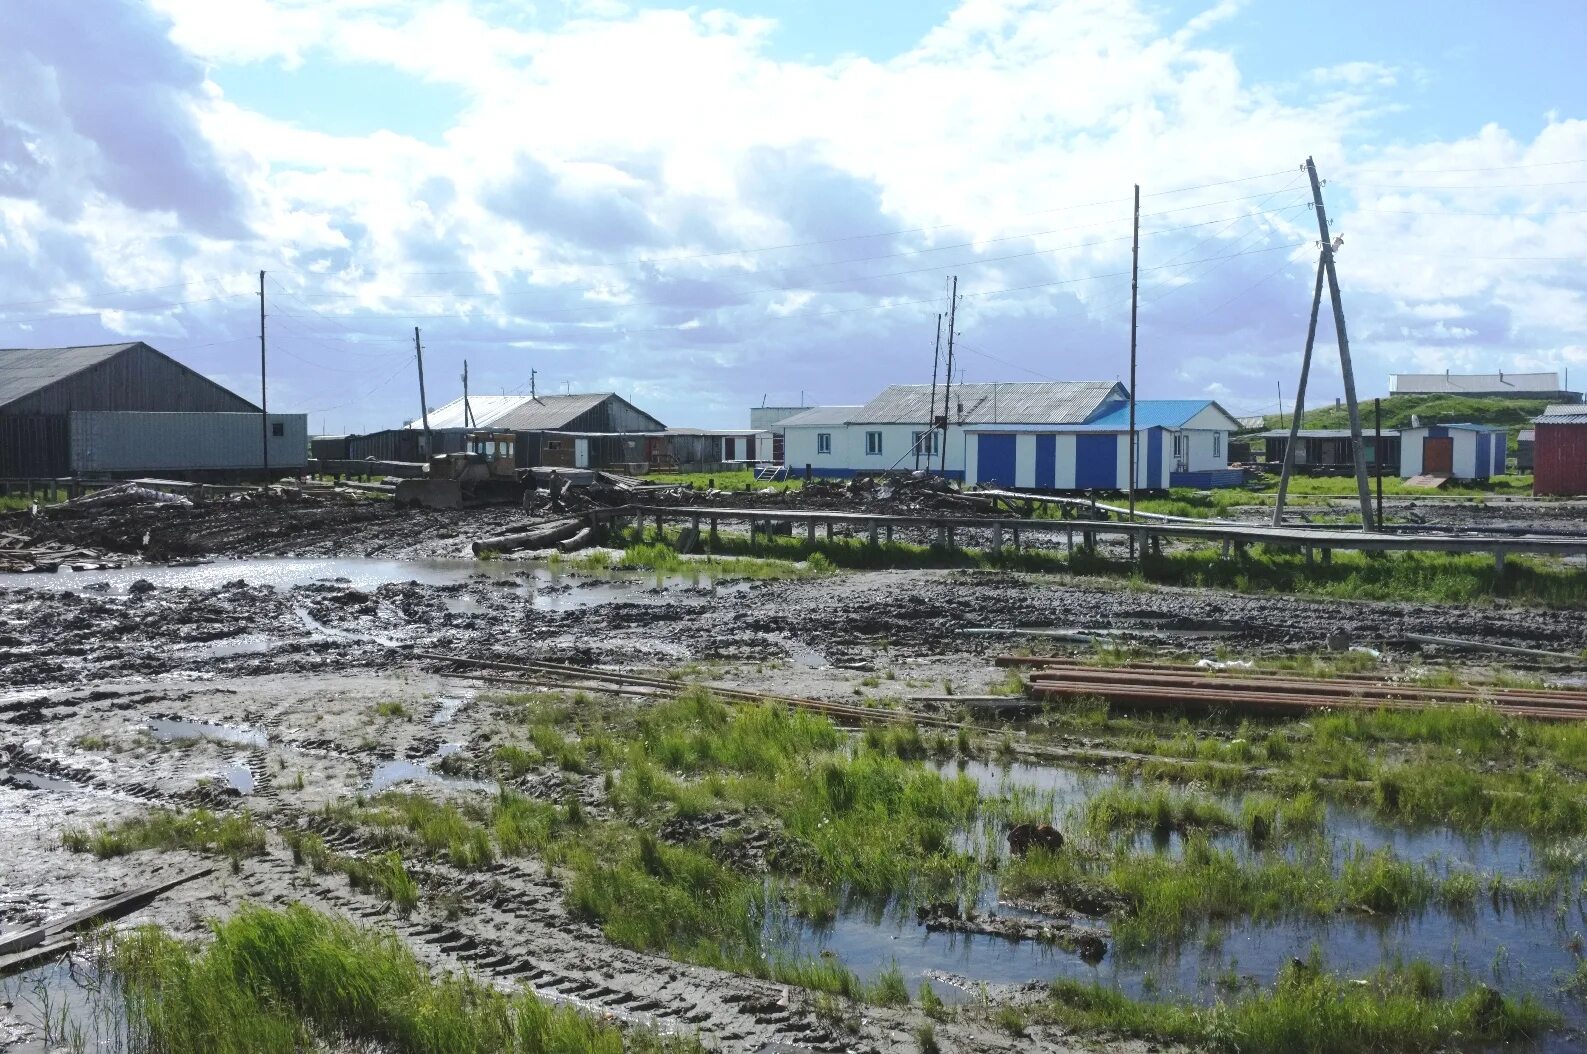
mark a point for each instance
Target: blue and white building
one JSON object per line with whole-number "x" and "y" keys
{"x": 1179, "y": 443}
{"x": 1050, "y": 435}
{"x": 1458, "y": 451}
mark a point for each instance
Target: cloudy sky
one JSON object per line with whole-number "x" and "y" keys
{"x": 702, "y": 208}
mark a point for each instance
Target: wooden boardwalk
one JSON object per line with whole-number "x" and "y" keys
{"x": 1021, "y": 532}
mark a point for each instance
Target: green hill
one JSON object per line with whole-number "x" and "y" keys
{"x": 1514, "y": 414}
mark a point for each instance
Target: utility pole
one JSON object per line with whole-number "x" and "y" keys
{"x": 1135, "y": 275}
{"x": 931, "y": 426}
{"x": 1345, "y": 369}
{"x": 1377, "y": 453}
{"x": 468, "y": 411}
{"x": 532, "y": 375}
{"x": 264, "y": 406}
{"x": 424, "y": 405}
{"x": 947, "y": 387}
{"x": 1281, "y": 423}
{"x": 1300, "y": 400}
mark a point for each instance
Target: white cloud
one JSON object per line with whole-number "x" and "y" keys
{"x": 582, "y": 214}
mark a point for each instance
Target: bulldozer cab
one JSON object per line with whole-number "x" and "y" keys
{"x": 495, "y": 450}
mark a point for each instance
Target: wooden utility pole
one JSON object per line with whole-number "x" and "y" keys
{"x": 1135, "y": 285}
{"x": 468, "y": 411}
{"x": 1280, "y": 384}
{"x": 1377, "y": 453}
{"x": 1300, "y": 400}
{"x": 947, "y": 386}
{"x": 264, "y": 400}
{"x": 424, "y": 405}
{"x": 1347, "y": 373}
{"x": 931, "y": 406}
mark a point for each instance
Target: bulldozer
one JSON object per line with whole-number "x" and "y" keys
{"x": 484, "y": 473}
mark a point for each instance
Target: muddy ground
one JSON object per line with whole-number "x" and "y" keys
{"x": 287, "y": 672}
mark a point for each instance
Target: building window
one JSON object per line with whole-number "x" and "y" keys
{"x": 278, "y": 429}
{"x": 823, "y": 442}
{"x": 927, "y": 442}
{"x": 1217, "y": 444}
{"x": 553, "y": 444}
{"x": 1179, "y": 444}
{"x": 873, "y": 443}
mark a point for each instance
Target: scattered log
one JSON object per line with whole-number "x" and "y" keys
{"x": 543, "y": 537}
{"x": 1482, "y": 645}
{"x": 585, "y": 538}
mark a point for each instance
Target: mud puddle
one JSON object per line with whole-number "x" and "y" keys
{"x": 1517, "y": 949}
{"x": 171, "y": 730}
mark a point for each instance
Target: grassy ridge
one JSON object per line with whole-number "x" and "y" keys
{"x": 280, "y": 982}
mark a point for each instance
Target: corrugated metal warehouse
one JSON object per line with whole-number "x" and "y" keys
{"x": 581, "y": 430}
{"x": 128, "y": 409}
{"x": 1559, "y": 454}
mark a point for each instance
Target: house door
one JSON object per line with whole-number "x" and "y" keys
{"x": 749, "y": 448}
{"x": 1438, "y": 456}
{"x": 728, "y": 451}
{"x": 581, "y": 453}
{"x": 994, "y": 460}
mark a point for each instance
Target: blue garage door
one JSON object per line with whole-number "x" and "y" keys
{"x": 1046, "y": 461}
{"x": 995, "y": 459}
{"x": 1096, "y": 462}
{"x": 1484, "y": 454}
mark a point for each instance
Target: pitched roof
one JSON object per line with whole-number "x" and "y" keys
{"x": 820, "y": 415}
{"x": 520, "y": 412}
{"x": 1160, "y": 413}
{"x": 1013, "y": 402}
{"x": 1562, "y": 414}
{"x": 1472, "y": 383}
{"x": 24, "y": 371}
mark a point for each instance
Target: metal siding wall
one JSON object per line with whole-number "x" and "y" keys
{"x": 138, "y": 379}
{"x": 1484, "y": 455}
{"x": 1465, "y": 453}
{"x": 995, "y": 458}
{"x": 33, "y": 446}
{"x": 1064, "y": 462}
{"x": 1096, "y": 462}
{"x": 1025, "y": 460}
{"x": 1155, "y": 438}
{"x": 1046, "y": 461}
{"x": 1411, "y": 451}
{"x": 118, "y": 441}
{"x": 1559, "y": 459}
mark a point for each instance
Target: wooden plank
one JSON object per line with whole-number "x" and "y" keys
{"x": 10, "y": 964}
{"x": 111, "y": 908}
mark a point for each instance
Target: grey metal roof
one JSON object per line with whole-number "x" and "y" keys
{"x": 1473, "y": 383}
{"x": 820, "y": 415}
{"x": 1527, "y": 435}
{"x": 523, "y": 413}
{"x": 24, "y": 371}
{"x": 1562, "y": 414}
{"x": 1014, "y": 402}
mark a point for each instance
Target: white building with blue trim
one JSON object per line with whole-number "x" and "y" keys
{"x": 1047, "y": 435}
{"x": 1458, "y": 451}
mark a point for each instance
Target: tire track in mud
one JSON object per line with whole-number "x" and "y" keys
{"x": 514, "y": 928}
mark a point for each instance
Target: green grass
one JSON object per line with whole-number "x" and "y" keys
{"x": 293, "y": 980}
{"x": 1465, "y": 765}
{"x": 234, "y": 836}
{"x": 392, "y": 709}
{"x": 1401, "y": 1009}
{"x": 1427, "y": 577}
{"x": 1157, "y": 898}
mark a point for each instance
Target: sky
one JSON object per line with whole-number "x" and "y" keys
{"x": 715, "y": 207}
